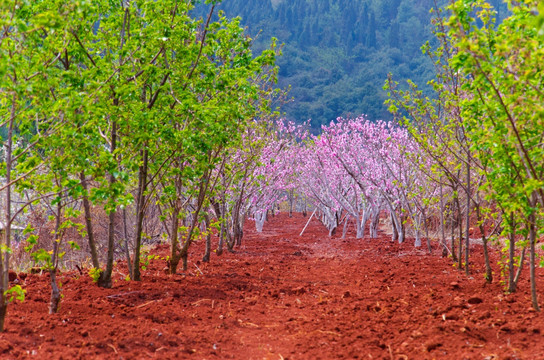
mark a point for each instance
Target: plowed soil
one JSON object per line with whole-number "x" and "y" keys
{"x": 281, "y": 296}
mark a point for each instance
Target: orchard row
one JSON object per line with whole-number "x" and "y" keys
{"x": 142, "y": 124}
{"x": 116, "y": 116}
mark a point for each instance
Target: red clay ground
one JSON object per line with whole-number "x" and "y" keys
{"x": 282, "y": 296}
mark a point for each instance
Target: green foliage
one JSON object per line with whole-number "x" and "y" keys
{"x": 31, "y": 240}
{"x": 503, "y": 106}
{"x": 95, "y": 274}
{"x": 74, "y": 245}
{"x": 43, "y": 259}
{"x": 101, "y": 83}
{"x": 15, "y": 293}
{"x": 146, "y": 258}
{"x": 486, "y": 117}
{"x": 5, "y": 249}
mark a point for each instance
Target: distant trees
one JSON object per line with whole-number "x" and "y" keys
{"x": 356, "y": 170}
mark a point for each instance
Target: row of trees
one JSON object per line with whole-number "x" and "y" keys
{"x": 137, "y": 113}
{"x": 483, "y": 130}
{"x": 466, "y": 162}
{"x": 124, "y": 107}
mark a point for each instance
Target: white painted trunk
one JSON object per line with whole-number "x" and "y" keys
{"x": 360, "y": 228}
{"x": 417, "y": 227}
{"x": 345, "y": 230}
{"x": 260, "y": 218}
{"x": 374, "y": 223}
{"x": 364, "y": 219}
{"x": 398, "y": 225}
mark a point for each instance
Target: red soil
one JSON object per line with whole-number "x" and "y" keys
{"x": 283, "y": 296}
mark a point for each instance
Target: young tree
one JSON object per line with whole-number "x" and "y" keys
{"x": 222, "y": 89}
{"x": 504, "y": 111}
{"x": 29, "y": 58}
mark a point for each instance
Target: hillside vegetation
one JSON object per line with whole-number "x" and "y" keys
{"x": 337, "y": 53}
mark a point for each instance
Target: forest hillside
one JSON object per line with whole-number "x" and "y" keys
{"x": 337, "y": 53}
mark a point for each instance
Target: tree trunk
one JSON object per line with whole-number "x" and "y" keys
{"x": 521, "y": 261}
{"x": 260, "y": 217}
{"x": 362, "y": 224}
{"x": 55, "y": 292}
{"x": 488, "y": 270}
{"x": 200, "y": 201}
{"x": 3, "y": 311}
{"x": 399, "y": 227}
{"x": 219, "y": 250}
{"x": 511, "y": 255}
{"x": 230, "y": 239}
{"x": 532, "y": 241}
{"x": 291, "y": 199}
{"x": 453, "y": 224}
{"x": 3, "y": 288}
{"x": 127, "y": 251}
{"x": 88, "y": 222}
{"x": 237, "y": 233}
{"x": 442, "y": 223}
{"x": 140, "y": 212}
{"x": 105, "y": 277}
{"x": 427, "y": 234}
{"x": 374, "y": 223}
{"x": 345, "y": 230}
{"x": 208, "y": 250}
{"x": 417, "y": 227}
{"x": 173, "y": 263}
{"x": 174, "y": 242}
{"x": 219, "y": 211}
{"x": 240, "y": 230}
{"x": 417, "y": 241}
{"x": 395, "y": 233}
{"x": 359, "y": 228}
{"x": 58, "y": 233}
{"x": 460, "y": 227}
{"x": 236, "y": 219}
{"x": 467, "y": 225}
{"x": 4, "y": 254}
{"x": 184, "y": 257}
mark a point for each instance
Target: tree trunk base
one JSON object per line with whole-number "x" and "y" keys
{"x": 3, "y": 313}
{"x": 104, "y": 281}
{"x": 55, "y": 294}
{"x": 173, "y": 266}
{"x": 184, "y": 262}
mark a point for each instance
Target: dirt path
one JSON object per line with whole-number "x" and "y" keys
{"x": 282, "y": 296}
